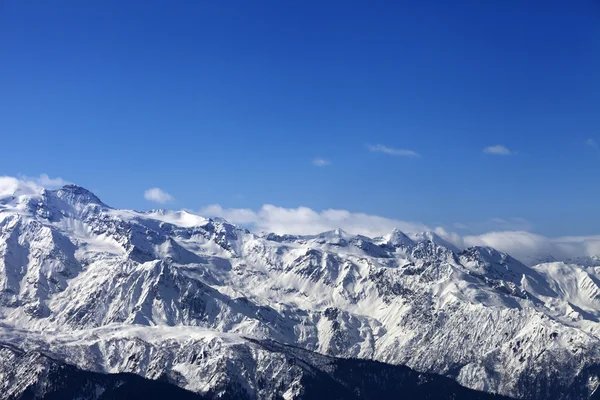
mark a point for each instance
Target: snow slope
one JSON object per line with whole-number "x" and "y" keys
{"x": 165, "y": 293}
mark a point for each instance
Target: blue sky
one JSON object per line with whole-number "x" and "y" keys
{"x": 231, "y": 103}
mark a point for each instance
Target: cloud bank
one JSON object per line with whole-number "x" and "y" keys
{"x": 530, "y": 247}
{"x": 305, "y": 221}
{"x": 525, "y": 246}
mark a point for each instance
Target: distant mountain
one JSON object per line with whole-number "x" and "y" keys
{"x": 219, "y": 311}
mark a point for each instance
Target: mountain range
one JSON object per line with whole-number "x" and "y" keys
{"x": 99, "y": 302}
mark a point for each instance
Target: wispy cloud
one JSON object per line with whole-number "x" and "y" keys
{"x": 591, "y": 142}
{"x": 391, "y": 151}
{"x": 513, "y": 224}
{"x": 498, "y": 149}
{"x": 158, "y": 195}
{"x": 321, "y": 162}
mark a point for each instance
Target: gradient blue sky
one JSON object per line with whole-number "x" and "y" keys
{"x": 232, "y": 102}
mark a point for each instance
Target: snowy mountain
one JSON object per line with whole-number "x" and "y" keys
{"x": 34, "y": 375}
{"x": 216, "y": 310}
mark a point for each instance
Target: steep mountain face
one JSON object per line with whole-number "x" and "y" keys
{"x": 175, "y": 296}
{"x": 32, "y": 375}
{"x": 35, "y": 376}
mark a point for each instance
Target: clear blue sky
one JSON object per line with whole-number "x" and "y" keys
{"x": 231, "y": 101}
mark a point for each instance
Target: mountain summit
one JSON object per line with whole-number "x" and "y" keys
{"x": 76, "y": 195}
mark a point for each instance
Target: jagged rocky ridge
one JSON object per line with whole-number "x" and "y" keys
{"x": 32, "y": 375}
{"x": 173, "y": 295}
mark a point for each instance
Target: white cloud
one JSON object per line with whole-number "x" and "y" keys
{"x": 527, "y": 246}
{"x": 591, "y": 142}
{"x": 158, "y": 195}
{"x": 320, "y": 162}
{"x": 394, "y": 152}
{"x": 11, "y": 186}
{"x": 242, "y": 216}
{"x": 498, "y": 150}
{"x": 305, "y": 221}
{"x": 523, "y": 245}
{"x": 50, "y": 183}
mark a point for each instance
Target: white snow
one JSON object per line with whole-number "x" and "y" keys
{"x": 121, "y": 290}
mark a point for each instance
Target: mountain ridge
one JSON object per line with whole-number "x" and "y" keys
{"x": 76, "y": 273}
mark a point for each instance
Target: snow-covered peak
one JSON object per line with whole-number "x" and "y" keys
{"x": 336, "y": 237}
{"x": 76, "y": 196}
{"x": 183, "y": 218}
{"x": 70, "y": 201}
{"x": 434, "y": 238}
{"x": 398, "y": 238}
{"x": 493, "y": 264}
{"x": 335, "y": 233}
